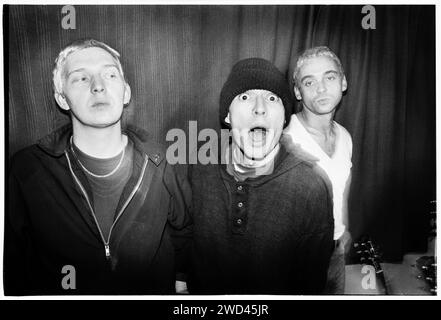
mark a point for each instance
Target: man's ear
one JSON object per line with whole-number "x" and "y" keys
{"x": 297, "y": 93}
{"x": 227, "y": 119}
{"x": 61, "y": 100}
{"x": 344, "y": 84}
{"x": 127, "y": 94}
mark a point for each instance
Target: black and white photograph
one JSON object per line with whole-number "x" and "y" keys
{"x": 219, "y": 150}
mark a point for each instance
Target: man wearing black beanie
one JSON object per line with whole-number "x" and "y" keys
{"x": 265, "y": 226}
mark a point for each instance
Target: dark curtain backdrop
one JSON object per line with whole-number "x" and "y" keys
{"x": 177, "y": 58}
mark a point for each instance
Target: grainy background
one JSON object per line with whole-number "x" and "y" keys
{"x": 176, "y": 59}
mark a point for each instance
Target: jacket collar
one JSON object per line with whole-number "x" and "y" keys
{"x": 57, "y": 142}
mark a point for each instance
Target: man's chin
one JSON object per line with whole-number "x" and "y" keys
{"x": 325, "y": 108}
{"x": 255, "y": 154}
{"x": 107, "y": 122}
{"x": 101, "y": 124}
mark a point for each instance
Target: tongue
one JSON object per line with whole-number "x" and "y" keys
{"x": 258, "y": 135}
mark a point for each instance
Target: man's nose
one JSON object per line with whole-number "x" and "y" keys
{"x": 321, "y": 87}
{"x": 259, "y": 106}
{"x": 97, "y": 84}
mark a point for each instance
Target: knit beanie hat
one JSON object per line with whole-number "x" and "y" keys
{"x": 255, "y": 73}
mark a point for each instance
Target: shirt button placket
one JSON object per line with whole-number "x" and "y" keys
{"x": 240, "y": 214}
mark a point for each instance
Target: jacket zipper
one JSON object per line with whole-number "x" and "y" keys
{"x": 135, "y": 189}
{"x": 106, "y": 243}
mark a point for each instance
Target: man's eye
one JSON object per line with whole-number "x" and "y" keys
{"x": 273, "y": 98}
{"x": 243, "y": 96}
{"x": 332, "y": 77}
{"x": 308, "y": 83}
{"x": 110, "y": 75}
{"x": 80, "y": 79}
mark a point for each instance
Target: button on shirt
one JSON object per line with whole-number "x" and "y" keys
{"x": 239, "y": 193}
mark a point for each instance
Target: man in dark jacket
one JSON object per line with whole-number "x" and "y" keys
{"x": 265, "y": 226}
{"x": 93, "y": 209}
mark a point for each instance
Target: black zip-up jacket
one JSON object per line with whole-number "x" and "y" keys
{"x": 52, "y": 240}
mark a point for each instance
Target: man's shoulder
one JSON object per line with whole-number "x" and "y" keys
{"x": 302, "y": 163}
{"x": 345, "y": 140}
{"x": 144, "y": 142}
{"x": 344, "y": 132}
{"x": 25, "y": 154}
{"x": 297, "y": 149}
{"x": 306, "y": 169}
{"x": 294, "y": 127}
{"x": 205, "y": 171}
{"x": 25, "y": 160}
{"x": 306, "y": 174}
{"x": 306, "y": 184}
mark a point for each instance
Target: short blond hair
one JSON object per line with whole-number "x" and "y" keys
{"x": 313, "y": 53}
{"x": 77, "y": 45}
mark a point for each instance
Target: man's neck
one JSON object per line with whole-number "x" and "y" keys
{"x": 242, "y": 167}
{"x": 99, "y": 142}
{"x": 240, "y": 158}
{"x": 323, "y": 124}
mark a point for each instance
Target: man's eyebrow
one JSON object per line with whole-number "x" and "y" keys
{"x": 332, "y": 71}
{"x": 110, "y": 65}
{"x": 73, "y": 71}
{"x": 306, "y": 77}
{"x": 325, "y": 73}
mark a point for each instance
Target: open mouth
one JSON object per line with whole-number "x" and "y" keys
{"x": 258, "y": 134}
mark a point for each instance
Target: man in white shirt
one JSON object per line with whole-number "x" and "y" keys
{"x": 319, "y": 83}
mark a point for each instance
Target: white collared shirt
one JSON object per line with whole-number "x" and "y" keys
{"x": 337, "y": 167}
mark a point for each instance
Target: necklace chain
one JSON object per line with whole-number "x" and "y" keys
{"x": 91, "y": 173}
